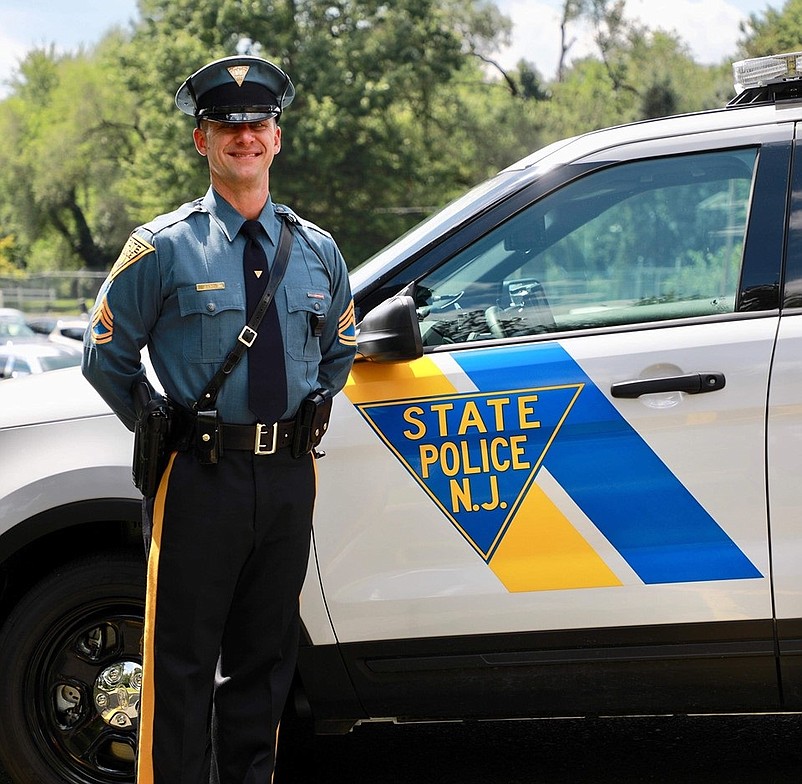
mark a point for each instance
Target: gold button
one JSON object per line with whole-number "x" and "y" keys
{"x": 206, "y": 437}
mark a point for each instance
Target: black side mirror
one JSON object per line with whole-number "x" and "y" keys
{"x": 390, "y": 332}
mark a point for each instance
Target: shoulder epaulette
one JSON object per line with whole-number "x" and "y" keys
{"x": 176, "y": 216}
{"x": 283, "y": 209}
{"x": 138, "y": 246}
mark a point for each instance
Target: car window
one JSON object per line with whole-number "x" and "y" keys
{"x": 76, "y": 333}
{"x": 59, "y": 361}
{"x": 636, "y": 242}
{"x": 10, "y": 328}
{"x": 13, "y": 366}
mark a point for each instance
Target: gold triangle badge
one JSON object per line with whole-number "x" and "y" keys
{"x": 238, "y": 73}
{"x": 258, "y": 273}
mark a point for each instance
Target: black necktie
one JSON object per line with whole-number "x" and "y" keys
{"x": 267, "y": 376}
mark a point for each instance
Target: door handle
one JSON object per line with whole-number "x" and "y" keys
{"x": 692, "y": 383}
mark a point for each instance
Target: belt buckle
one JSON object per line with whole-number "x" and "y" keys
{"x": 263, "y": 431}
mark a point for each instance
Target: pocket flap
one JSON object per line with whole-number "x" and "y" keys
{"x": 311, "y": 301}
{"x": 209, "y": 302}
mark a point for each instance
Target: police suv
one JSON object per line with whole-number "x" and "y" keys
{"x": 562, "y": 478}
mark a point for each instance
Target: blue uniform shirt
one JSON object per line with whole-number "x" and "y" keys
{"x": 178, "y": 288}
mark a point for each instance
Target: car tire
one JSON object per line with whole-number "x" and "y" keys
{"x": 70, "y": 658}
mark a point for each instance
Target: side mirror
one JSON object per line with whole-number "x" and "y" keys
{"x": 390, "y": 332}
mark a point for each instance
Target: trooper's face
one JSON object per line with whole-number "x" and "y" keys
{"x": 239, "y": 154}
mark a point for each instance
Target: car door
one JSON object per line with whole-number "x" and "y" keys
{"x": 573, "y": 474}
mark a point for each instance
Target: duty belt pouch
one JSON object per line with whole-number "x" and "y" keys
{"x": 311, "y": 422}
{"x": 207, "y": 437}
{"x": 150, "y": 439}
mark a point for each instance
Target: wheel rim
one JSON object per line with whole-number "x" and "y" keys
{"x": 82, "y": 692}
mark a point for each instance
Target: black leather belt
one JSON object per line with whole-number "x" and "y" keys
{"x": 259, "y": 439}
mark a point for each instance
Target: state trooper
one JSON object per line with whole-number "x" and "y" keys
{"x": 230, "y": 522}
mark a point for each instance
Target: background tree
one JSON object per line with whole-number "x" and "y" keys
{"x": 401, "y": 106}
{"x": 773, "y": 31}
{"x": 379, "y": 101}
{"x": 66, "y": 130}
{"x": 638, "y": 74}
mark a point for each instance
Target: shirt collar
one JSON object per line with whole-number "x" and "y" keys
{"x": 230, "y": 221}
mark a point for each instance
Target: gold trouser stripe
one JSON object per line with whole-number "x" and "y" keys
{"x": 146, "y": 705}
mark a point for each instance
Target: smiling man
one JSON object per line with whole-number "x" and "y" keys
{"x": 228, "y": 527}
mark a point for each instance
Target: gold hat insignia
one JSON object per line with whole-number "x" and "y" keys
{"x": 238, "y": 73}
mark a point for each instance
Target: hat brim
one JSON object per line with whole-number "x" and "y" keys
{"x": 238, "y": 114}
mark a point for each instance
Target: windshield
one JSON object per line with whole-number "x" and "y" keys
{"x": 11, "y": 328}
{"x": 482, "y": 195}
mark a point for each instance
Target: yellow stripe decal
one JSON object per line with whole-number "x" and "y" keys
{"x": 542, "y": 551}
{"x": 374, "y": 382}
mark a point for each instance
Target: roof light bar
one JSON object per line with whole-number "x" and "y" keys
{"x": 761, "y": 71}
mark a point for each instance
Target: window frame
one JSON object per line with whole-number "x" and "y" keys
{"x": 759, "y": 288}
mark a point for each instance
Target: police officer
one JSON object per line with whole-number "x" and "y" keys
{"x": 230, "y": 526}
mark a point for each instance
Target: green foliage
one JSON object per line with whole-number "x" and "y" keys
{"x": 400, "y": 107}
{"x": 8, "y": 268}
{"x": 67, "y": 128}
{"x": 774, "y": 31}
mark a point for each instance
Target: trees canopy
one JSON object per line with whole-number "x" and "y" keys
{"x": 400, "y": 107}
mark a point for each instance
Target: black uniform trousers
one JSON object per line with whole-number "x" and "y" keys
{"x": 227, "y": 559}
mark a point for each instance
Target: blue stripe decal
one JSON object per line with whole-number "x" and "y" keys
{"x": 610, "y": 472}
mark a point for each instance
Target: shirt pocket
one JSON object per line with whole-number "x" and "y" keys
{"x": 211, "y": 321}
{"x": 307, "y": 311}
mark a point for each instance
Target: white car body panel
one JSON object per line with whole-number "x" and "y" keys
{"x": 395, "y": 566}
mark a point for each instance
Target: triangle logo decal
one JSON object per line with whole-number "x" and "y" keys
{"x": 475, "y": 454}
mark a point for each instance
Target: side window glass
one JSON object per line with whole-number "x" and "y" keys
{"x": 21, "y": 367}
{"x": 636, "y": 242}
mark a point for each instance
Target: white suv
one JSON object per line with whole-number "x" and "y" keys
{"x": 560, "y": 481}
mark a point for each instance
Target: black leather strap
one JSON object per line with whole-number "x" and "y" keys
{"x": 209, "y": 395}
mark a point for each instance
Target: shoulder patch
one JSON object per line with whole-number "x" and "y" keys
{"x": 102, "y": 323}
{"x": 346, "y": 327}
{"x": 132, "y": 252}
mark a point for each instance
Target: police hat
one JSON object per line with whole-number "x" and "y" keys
{"x": 241, "y": 89}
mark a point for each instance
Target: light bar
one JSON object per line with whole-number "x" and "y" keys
{"x": 760, "y": 71}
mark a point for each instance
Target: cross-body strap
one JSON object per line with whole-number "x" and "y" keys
{"x": 250, "y": 330}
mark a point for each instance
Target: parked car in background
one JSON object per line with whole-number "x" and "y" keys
{"x": 560, "y": 481}
{"x": 13, "y": 324}
{"x": 31, "y": 356}
{"x": 60, "y": 330}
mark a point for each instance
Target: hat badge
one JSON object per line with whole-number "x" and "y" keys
{"x": 238, "y": 73}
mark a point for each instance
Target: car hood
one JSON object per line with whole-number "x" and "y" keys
{"x": 58, "y": 394}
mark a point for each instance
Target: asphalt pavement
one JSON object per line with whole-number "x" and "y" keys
{"x": 663, "y": 750}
